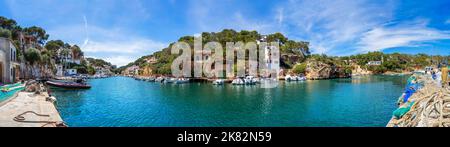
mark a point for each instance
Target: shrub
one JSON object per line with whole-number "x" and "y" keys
{"x": 299, "y": 68}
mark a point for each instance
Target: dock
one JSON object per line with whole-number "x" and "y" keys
{"x": 27, "y": 109}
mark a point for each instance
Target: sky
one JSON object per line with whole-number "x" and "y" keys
{"x": 121, "y": 31}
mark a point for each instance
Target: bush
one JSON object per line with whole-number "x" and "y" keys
{"x": 5, "y": 33}
{"x": 32, "y": 55}
{"x": 90, "y": 70}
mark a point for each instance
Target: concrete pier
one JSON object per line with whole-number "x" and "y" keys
{"x": 35, "y": 109}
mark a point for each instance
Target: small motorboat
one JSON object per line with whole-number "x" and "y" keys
{"x": 218, "y": 82}
{"x": 150, "y": 79}
{"x": 294, "y": 78}
{"x": 238, "y": 81}
{"x": 170, "y": 80}
{"x": 159, "y": 79}
{"x": 250, "y": 80}
{"x": 181, "y": 81}
{"x": 79, "y": 84}
{"x": 288, "y": 78}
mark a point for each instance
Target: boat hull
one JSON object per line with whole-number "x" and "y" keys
{"x": 68, "y": 85}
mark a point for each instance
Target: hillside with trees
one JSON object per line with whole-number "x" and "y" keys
{"x": 297, "y": 49}
{"x": 295, "y": 57}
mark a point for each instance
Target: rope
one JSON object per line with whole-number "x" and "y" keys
{"x": 21, "y": 118}
{"x": 430, "y": 108}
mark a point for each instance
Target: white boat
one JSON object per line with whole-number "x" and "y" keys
{"x": 301, "y": 78}
{"x": 170, "y": 80}
{"x": 290, "y": 78}
{"x": 250, "y": 80}
{"x": 150, "y": 79}
{"x": 218, "y": 82}
{"x": 181, "y": 81}
{"x": 238, "y": 81}
{"x": 159, "y": 79}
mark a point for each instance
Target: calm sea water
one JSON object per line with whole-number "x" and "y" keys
{"x": 121, "y": 101}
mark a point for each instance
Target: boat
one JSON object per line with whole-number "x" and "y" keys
{"x": 290, "y": 78}
{"x": 250, "y": 80}
{"x": 79, "y": 84}
{"x": 181, "y": 81}
{"x": 170, "y": 80}
{"x": 150, "y": 79}
{"x": 301, "y": 78}
{"x": 219, "y": 82}
{"x": 159, "y": 79}
{"x": 238, "y": 81}
{"x": 12, "y": 87}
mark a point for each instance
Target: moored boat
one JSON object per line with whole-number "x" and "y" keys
{"x": 238, "y": 81}
{"x": 182, "y": 81}
{"x": 218, "y": 82}
{"x": 68, "y": 84}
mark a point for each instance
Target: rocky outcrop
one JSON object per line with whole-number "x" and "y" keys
{"x": 317, "y": 70}
{"x": 358, "y": 70}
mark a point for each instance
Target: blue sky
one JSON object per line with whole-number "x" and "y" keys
{"x": 121, "y": 31}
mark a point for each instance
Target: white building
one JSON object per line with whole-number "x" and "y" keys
{"x": 374, "y": 63}
{"x": 9, "y": 68}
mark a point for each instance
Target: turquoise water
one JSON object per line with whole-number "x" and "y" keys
{"x": 121, "y": 101}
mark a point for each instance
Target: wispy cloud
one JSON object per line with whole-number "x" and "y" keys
{"x": 327, "y": 24}
{"x": 412, "y": 34}
{"x": 109, "y": 43}
{"x": 447, "y": 22}
{"x": 121, "y": 51}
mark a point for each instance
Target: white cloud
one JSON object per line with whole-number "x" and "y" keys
{"x": 401, "y": 35}
{"x": 280, "y": 16}
{"x": 122, "y": 52}
{"x": 326, "y": 24}
{"x": 447, "y": 22}
{"x": 118, "y": 60}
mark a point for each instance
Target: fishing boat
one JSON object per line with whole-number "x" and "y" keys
{"x": 78, "y": 84}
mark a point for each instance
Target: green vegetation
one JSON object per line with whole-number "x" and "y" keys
{"x": 295, "y": 54}
{"x": 5, "y": 33}
{"x": 299, "y": 68}
{"x": 98, "y": 62}
{"x": 32, "y": 55}
{"x": 165, "y": 58}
